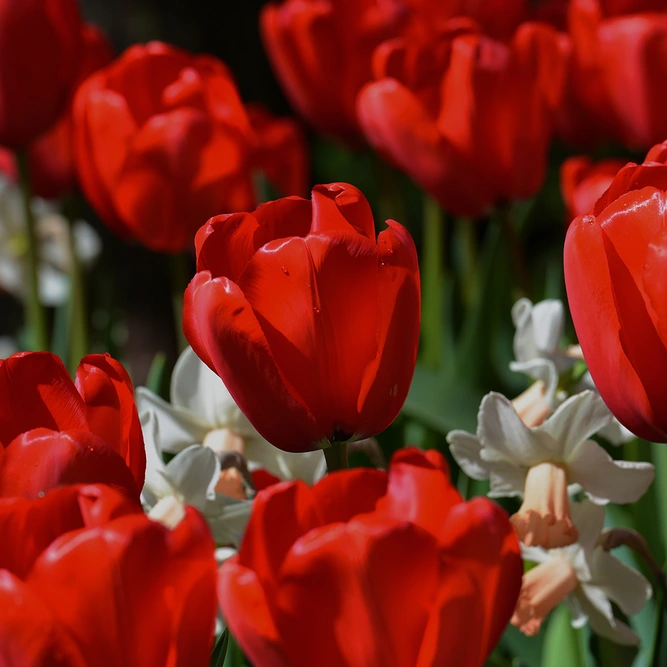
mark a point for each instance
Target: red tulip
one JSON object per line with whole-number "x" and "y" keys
{"x": 162, "y": 143}
{"x": 582, "y": 182}
{"x": 469, "y": 120}
{"x": 321, "y": 51}
{"x": 39, "y": 50}
{"x": 282, "y": 152}
{"x": 615, "y": 276}
{"x": 616, "y": 64}
{"x": 87, "y": 579}
{"x": 312, "y": 324}
{"x": 373, "y": 569}
{"x": 54, "y": 432}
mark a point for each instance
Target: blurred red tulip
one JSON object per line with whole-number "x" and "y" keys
{"x": 616, "y": 280}
{"x": 87, "y": 579}
{"x": 282, "y": 151}
{"x": 39, "y": 52}
{"x": 470, "y": 120}
{"x": 312, "y": 324}
{"x": 583, "y": 181}
{"x": 321, "y": 52}
{"x": 616, "y": 62}
{"x": 162, "y": 143}
{"x": 372, "y": 568}
{"x": 54, "y": 432}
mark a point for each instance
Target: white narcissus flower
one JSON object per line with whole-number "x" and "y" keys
{"x": 541, "y": 462}
{"x": 540, "y": 355}
{"x": 586, "y": 578}
{"x": 214, "y": 451}
{"x": 54, "y": 246}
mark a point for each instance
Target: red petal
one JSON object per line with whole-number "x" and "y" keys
{"x": 347, "y": 588}
{"x": 478, "y": 536}
{"x": 262, "y": 479}
{"x": 341, "y": 207}
{"x": 30, "y": 633}
{"x": 593, "y": 275}
{"x": 316, "y": 301}
{"x": 387, "y": 378}
{"x": 247, "y": 613}
{"x": 40, "y": 460}
{"x": 36, "y": 391}
{"x": 223, "y": 330}
{"x": 118, "y": 585}
{"x": 111, "y": 412}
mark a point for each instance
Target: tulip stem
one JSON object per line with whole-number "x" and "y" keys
{"x": 336, "y": 456}
{"x": 180, "y": 276}
{"x": 432, "y": 275}
{"x": 34, "y": 311}
{"x": 78, "y": 321}
{"x": 517, "y": 254}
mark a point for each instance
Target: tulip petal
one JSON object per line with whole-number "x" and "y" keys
{"x": 387, "y": 378}
{"x": 248, "y": 615}
{"x": 341, "y": 207}
{"x": 625, "y": 355}
{"x": 218, "y": 320}
{"x": 36, "y": 391}
{"x": 316, "y": 301}
{"x": 40, "y": 460}
{"x": 111, "y": 412}
{"x": 132, "y": 579}
{"x": 30, "y": 633}
{"x": 346, "y": 587}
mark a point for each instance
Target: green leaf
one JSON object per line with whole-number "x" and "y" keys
{"x": 159, "y": 376}
{"x": 562, "y": 643}
{"x": 527, "y": 649}
{"x": 441, "y": 405}
{"x": 220, "y": 649}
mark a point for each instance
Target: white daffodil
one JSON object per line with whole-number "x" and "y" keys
{"x": 54, "y": 246}
{"x": 541, "y": 462}
{"x": 537, "y": 342}
{"x": 586, "y": 578}
{"x": 540, "y": 355}
{"x": 215, "y": 455}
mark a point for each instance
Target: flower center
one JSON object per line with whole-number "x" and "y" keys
{"x": 168, "y": 511}
{"x": 544, "y": 518}
{"x": 542, "y": 588}
{"x": 532, "y": 405}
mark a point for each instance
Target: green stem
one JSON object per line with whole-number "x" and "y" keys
{"x": 432, "y": 282}
{"x": 336, "y": 456}
{"x": 180, "y": 276}
{"x": 519, "y": 265}
{"x": 465, "y": 232}
{"x": 35, "y": 314}
{"x": 78, "y": 320}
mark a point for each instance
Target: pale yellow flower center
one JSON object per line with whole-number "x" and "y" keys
{"x": 532, "y": 406}
{"x": 169, "y": 511}
{"x": 223, "y": 441}
{"x": 544, "y": 518}
{"x": 542, "y": 588}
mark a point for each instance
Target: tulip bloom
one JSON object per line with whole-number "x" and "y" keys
{"x": 39, "y": 50}
{"x": 50, "y": 156}
{"x": 53, "y": 431}
{"x": 87, "y": 579}
{"x": 469, "y": 119}
{"x": 373, "y": 569}
{"x": 311, "y": 323}
{"x": 582, "y": 182}
{"x": 615, "y": 279}
{"x": 162, "y": 143}
{"x": 616, "y": 62}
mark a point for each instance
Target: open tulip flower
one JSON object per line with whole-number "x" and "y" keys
{"x": 201, "y": 431}
{"x": 39, "y": 51}
{"x": 87, "y": 579}
{"x": 321, "y": 576}
{"x": 586, "y": 578}
{"x": 621, "y": 324}
{"x": 540, "y": 463}
{"x": 311, "y": 322}
{"x": 54, "y": 432}
{"x": 468, "y": 118}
